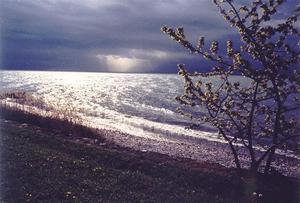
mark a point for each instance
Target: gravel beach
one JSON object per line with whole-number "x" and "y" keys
{"x": 202, "y": 150}
{"x": 199, "y": 150}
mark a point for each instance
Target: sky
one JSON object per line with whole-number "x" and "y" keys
{"x": 104, "y": 36}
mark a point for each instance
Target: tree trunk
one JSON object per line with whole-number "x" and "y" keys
{"x": 254, "y": 166}
{"x": 235, "y": 155}
{"x": 269, "y": 160}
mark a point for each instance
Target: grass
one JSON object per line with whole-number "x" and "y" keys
{"x": 39, "y": 166}
{"x": 64, "y": 125}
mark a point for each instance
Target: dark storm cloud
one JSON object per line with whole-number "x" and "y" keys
{"x": 96, "y": 35}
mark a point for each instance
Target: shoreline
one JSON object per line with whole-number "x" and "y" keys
{"x": 199, "y": 150}
{"x": 58, "y": 167}
{"x": 202, "y": 151}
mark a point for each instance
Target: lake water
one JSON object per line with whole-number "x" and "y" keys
{"x": 138, "y": 104}
{"x": 140, "y": 107}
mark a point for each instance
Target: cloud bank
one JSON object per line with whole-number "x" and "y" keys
{"x": 98, "y": 35}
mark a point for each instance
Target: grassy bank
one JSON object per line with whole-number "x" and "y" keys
{"x": 41, "y": 165}
{"x": 59, "y": 121}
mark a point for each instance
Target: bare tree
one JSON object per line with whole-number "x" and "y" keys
{"x": 263, "y": 113}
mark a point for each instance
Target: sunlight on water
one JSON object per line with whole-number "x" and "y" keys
{"x": 142, "y": 105}
{"x": 137, "y": 104}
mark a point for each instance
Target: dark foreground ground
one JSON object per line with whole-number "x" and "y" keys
{"x": 38, "y": 165}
